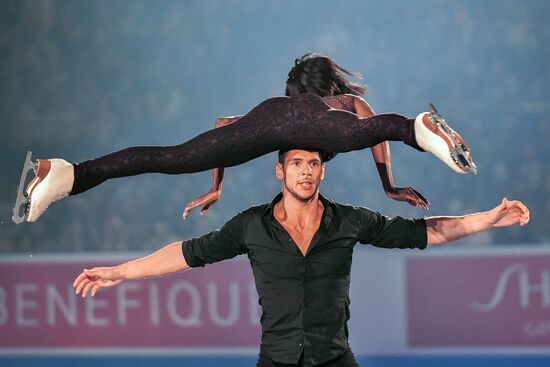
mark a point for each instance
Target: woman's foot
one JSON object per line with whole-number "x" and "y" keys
{"x": 434, "y": 135}
{"x": 54, "y": 181}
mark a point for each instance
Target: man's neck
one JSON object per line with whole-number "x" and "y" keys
{"x": 297, "y": 213}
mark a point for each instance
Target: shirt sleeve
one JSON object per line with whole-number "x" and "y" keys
{"x": 217, "y": 245}
{"x": 397, "y": 232}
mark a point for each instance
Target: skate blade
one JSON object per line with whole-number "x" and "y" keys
{"x": 463, "y": 159}
{"x": 22, "y": 201}
{"x": 459, "y": 153}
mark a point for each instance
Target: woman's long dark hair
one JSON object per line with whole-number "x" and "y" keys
{"x": 319, "y": 74}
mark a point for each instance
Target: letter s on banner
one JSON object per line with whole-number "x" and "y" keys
{"x": 500, "y": 289}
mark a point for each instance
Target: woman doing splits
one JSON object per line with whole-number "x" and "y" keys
{"x": 321, "y": 110}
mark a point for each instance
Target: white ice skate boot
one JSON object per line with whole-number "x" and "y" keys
{"x": 53, "y": 181}
{"x": 434, "y": 135}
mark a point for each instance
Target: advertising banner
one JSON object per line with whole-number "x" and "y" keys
{"x": 213, "y": 308}
{"x": 478, "y": 301}
{"x": 416, "y": 304}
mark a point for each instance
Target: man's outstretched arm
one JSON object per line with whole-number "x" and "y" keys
{"x": 447, "y": 229}
{"x": 168, "y": 260}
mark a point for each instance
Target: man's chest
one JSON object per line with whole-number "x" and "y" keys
{"x": 276, "y": 254}
{"x": 302, "y": 237}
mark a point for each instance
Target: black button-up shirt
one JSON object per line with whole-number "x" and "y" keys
{"x": 304, "y": 299}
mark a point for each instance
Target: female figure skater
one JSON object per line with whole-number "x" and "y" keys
{"x": 322, "y": 110}
{"x": 318, "y": 74}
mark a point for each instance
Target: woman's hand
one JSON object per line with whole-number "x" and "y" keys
{"x": 208, "y": 199}
{"x": 408, "y": 194}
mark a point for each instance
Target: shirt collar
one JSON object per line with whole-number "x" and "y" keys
{"x": 328, "y": 205}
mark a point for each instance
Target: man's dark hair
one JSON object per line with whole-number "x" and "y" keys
{"x": 319, "y": 74}
{"x": 325, "y": 156}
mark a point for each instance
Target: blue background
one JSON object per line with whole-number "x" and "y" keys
{"x": 80, "y": 79}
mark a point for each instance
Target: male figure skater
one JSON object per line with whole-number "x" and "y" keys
{"x": 300, "y": 248}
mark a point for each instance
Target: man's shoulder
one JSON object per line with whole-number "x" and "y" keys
{"x": 248, "y": 220}
{"x": 345, "y": 208}
{"x": 255, "y": 211}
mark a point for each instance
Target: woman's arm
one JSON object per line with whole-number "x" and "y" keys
{"x": 213, "y": 195}
{"x": 382, "y": 158}
{"x": 168, "y": 260}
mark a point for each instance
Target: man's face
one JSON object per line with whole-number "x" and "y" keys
{"x": 301, "y": 174}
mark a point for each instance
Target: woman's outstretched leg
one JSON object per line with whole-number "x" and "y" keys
{"x": 427, "y": 132}
{"x": 304, "y": 121}
{"x": 255, "y": 134}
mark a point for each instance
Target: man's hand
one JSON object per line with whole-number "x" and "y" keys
{"x": 97, "y": 278}
{"x": 208, "y": 199}
{"x": 508, "y": 213}
{"x": 410, "y": 195}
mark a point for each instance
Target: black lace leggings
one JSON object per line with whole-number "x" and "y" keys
{"x": 303, "y": 121}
